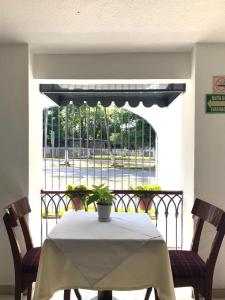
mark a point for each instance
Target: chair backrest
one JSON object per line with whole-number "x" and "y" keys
{"x": 215, "y": 216}
{"x": 15, "y": 222}
{"x": 21, "y": 209}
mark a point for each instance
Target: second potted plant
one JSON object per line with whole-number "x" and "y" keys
{"x": 74, "y": 192}
{"x": 145, "y": 199}
{"x": 102, "y": 195}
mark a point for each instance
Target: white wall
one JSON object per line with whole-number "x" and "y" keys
{"x": 113, "y": 66}
{"x": 187, "y": 158}
{"x": 167, "y": 123}
{"x": 14, "y": 140}
{"x": 35, "y": 155}
{"x": 209, "y": 140}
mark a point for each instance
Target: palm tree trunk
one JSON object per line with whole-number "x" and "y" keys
{"x": 107, "y": 135}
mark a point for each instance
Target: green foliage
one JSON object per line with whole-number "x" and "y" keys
{"x": 79, "y": 188}
{"x": 125, "y": 128}
{"x": 101, "y": 194}
{"x": 115, "y": 138}
{"x": 73, "y": 187}
{"x": 52, "y": 214}
{"x": 147, "y": 187}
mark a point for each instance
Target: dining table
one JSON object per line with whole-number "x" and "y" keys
{"x": 126, "y": 253}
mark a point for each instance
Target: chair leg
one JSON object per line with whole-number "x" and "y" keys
{"x": 29, "y": 292}
{"x": 156, "y": 295}
{"x": 208, "y": 297}
{"x": 196, "y": 294}
{"x": 148, "y": 293}
{"x": 66, "y": 295}
{"x": 78, "y": 295}
{"x": 208, "y": 293}
{"x": 17, "y": 293}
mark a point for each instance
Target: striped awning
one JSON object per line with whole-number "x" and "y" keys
{"x": 118, "y": 94}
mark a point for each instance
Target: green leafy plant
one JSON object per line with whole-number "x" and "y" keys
{"x": 73, "y": 187}
{"x": 100, "y": 194}
{"x": 78, "y": 198}
{"x": 145, "y": 199}
{"x": 147, "y": 187}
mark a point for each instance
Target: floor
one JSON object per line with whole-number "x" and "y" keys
{"x": 181, "y": 294}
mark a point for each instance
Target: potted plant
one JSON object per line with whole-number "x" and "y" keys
{"x": 145, "y": 199}
{"x": 102, "y": 195}
{"x": 74, "y": 192}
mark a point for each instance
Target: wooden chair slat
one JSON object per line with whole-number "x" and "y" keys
{"x": 208, "y": 212}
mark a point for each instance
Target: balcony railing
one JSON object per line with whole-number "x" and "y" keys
{"x": 164, "y": 207}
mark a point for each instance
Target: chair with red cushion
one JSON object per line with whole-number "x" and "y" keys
{"x": 188, "y": 268}
{"x": 25, "y": 255}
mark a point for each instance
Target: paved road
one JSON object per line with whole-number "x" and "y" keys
{"x": 114, "y": 177}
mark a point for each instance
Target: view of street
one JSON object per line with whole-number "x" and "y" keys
{"x": 57, "y": 174}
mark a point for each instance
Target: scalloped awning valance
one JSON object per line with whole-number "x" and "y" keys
{"x": 119, "y": 94}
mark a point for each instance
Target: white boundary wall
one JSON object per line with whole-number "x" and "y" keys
{"x": 14, "y": 140}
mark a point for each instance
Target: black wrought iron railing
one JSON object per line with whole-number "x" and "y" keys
{"x": 164, "y": 207}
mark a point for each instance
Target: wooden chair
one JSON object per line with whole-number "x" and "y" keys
{"x": 187, "y": 266}
{"x": 25, "y": 255}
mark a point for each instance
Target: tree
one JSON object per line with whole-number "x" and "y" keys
{"x": 84, "y": 125}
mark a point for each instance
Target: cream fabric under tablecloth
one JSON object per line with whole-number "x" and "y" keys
{"x": 124, "y": 254}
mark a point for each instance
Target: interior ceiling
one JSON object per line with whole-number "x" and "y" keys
{"x": 111, "y": 25}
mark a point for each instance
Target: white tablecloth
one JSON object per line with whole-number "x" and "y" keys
{"x": 124, "y": 254}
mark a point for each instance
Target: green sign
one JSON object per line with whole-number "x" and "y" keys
{"x": 215, "y": 103}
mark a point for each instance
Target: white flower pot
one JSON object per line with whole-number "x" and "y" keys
{"x": 104, "y": 212}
